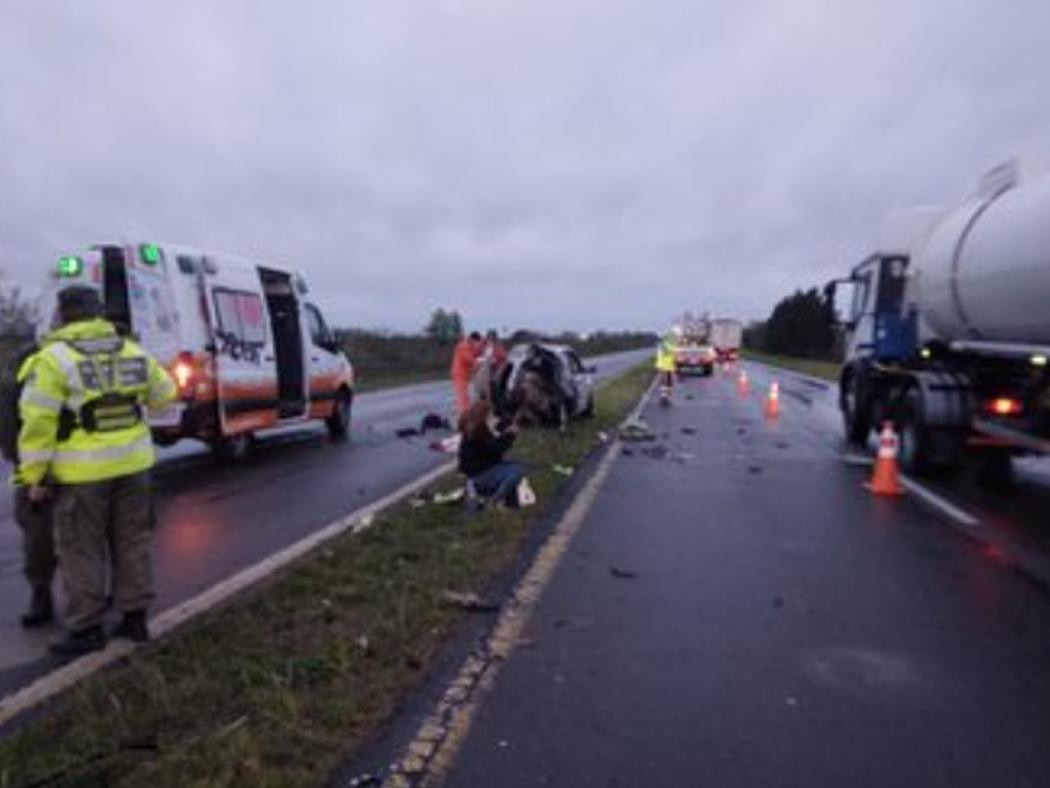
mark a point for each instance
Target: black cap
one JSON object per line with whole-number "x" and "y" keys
{"x": 79, "y": 303}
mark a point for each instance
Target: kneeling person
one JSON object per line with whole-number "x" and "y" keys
{"x": 84, "y": 427}
{"x": 481, "y": 456}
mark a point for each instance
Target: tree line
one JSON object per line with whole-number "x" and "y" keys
{"x": 799, "y": 325}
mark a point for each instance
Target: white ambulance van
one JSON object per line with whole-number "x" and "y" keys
{"x": 242, "y": 340}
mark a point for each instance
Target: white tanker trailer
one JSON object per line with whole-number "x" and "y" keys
{"x": 948, "y": 332}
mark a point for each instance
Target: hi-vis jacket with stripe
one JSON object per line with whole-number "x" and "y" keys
{"x": 665, "y": 356}
{"x": 82, "y": 406}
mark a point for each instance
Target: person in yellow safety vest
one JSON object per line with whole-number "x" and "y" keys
{"x": 84, "y": 428}
{"x": 665, "y": 365}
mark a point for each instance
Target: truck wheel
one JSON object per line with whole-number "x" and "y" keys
{"x": 232, "y": 448}
{"x": 914, "y": 436}
{"x": 339, "y": 422}
{"x": 856, "y": 416}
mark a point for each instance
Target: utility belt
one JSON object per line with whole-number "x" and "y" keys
{"x": 109, "y": 412}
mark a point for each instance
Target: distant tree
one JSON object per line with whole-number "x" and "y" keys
{"x": 444, "y": 327}
{"x": 17, "y": 316}
{"x": 799, "y": 326}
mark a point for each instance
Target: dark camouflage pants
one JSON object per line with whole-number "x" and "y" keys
{"x": 105, "y": 525}
{"x": 38, "y": 538}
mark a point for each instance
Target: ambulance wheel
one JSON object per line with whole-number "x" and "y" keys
{"x": 232, "y": 448}
{"x": 339, "y": 422}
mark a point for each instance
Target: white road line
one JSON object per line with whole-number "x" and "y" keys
{"x": 63, "y": 678}
{"x": 938, "y": 502}
{"x": 57, "y": 681}
{"x": 436, "y": 744}
{"x": 944, "y": 506}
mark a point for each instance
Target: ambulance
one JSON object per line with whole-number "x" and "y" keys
{"x": 247, "y": 348}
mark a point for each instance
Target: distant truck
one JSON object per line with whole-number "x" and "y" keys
{"x": 948, "y": 330}
{"x": 726, "y": 336}
{"x": 242, "y": 340}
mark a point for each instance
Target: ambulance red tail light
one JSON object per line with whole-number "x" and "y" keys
{"x": 1004, "y": 406}
{"x": 183, "y": 373}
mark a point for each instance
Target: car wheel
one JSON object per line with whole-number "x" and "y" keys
{"x": 588, "y": 411}
{"x": 339, "y": 422}
{"x": 232, "y": 448}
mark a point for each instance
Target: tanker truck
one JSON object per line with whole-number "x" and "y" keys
{"x": 947, "y": 333}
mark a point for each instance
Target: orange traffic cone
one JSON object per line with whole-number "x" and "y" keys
{"x": 741, "y": 383}
{"x": 884, "y": 480}
{"x": 773, "y": 401}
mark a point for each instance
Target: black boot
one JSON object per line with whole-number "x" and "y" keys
{"x": 78, "y": 642}
{"x": 133, "y": 627}
{"x": 41, "y": 609}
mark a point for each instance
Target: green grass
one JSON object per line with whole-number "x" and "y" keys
{"x": 828, "y": 370}
{"x": 281, "y": 686}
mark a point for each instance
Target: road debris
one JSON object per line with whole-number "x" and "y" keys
{"x": 563, "y": 470}
{"x": 603, "y": 437}
{"x": 468, "y": 600}
{"x": 689, "y": 430}
{"x": 635, "y": 430}
{"x": 407, "y": 432}
{"x": 754, "y": 469}
{"x": 449, "y": 445}
{"x": 451, "y": 496}
{"x": 656, "y": 452}
{"x": 526, "y": 495}
{"x": 434, "y": 421}
{"x": 622, "y": 574}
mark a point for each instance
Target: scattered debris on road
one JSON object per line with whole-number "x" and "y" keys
{"x": 689, "y": 430}
{"x": 622, "y": 574}
{"x": 635, "y": 430}
{"x": 754, "y": 469}
{"x": 468, "y": 600}
{"x": 563, "y": 470}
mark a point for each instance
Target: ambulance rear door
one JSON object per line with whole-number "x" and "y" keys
{"x": 245, "y": 366}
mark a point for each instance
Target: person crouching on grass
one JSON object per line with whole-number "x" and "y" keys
{"x": 481, "y": 456}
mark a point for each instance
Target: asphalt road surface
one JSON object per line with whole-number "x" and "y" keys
{"x": 215, "y": 521}
{"x": 737, "y": 610}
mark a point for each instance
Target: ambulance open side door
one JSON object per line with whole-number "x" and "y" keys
{"x": 244, "y": 359}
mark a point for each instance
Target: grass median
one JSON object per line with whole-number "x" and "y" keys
{"x": 827, "y": 370}
{"x": 279, "y": 687}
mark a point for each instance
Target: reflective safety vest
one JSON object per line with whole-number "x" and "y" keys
{"x": 665, "y": 357}
{"x": 82, "y": 406}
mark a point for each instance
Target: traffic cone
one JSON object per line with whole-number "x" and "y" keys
{"x": 773, "y": 401}
{"x": 741, "y": 383}
{"x": 884, "y": 480}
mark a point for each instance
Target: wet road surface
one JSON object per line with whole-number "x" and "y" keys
{"x": 214, "y": 521}
{"x": 737, "y": 610}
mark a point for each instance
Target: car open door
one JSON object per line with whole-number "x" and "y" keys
{"x": 245, "y": 367}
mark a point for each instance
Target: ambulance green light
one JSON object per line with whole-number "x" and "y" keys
{"x": 150, "y": 254}
{"x": 70, "y": 266}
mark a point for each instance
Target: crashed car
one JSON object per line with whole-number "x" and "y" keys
{"x": 695, "y": 358}
{"x": 543, "y": 384}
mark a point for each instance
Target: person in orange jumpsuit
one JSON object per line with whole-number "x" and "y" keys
{"x": 465, "y": 356}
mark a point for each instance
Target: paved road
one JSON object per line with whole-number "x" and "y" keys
{"x": 215, "y": 521}
{"x": 780, "y": 627}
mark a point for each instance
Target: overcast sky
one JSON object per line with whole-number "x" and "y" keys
{"x": 549, "y": 163}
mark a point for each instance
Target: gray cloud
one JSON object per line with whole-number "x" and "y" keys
{"x": 560, "y": 164}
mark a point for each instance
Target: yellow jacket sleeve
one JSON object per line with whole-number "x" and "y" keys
{"x": 43, "y": 395}
{"x": 162, "y": 390}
